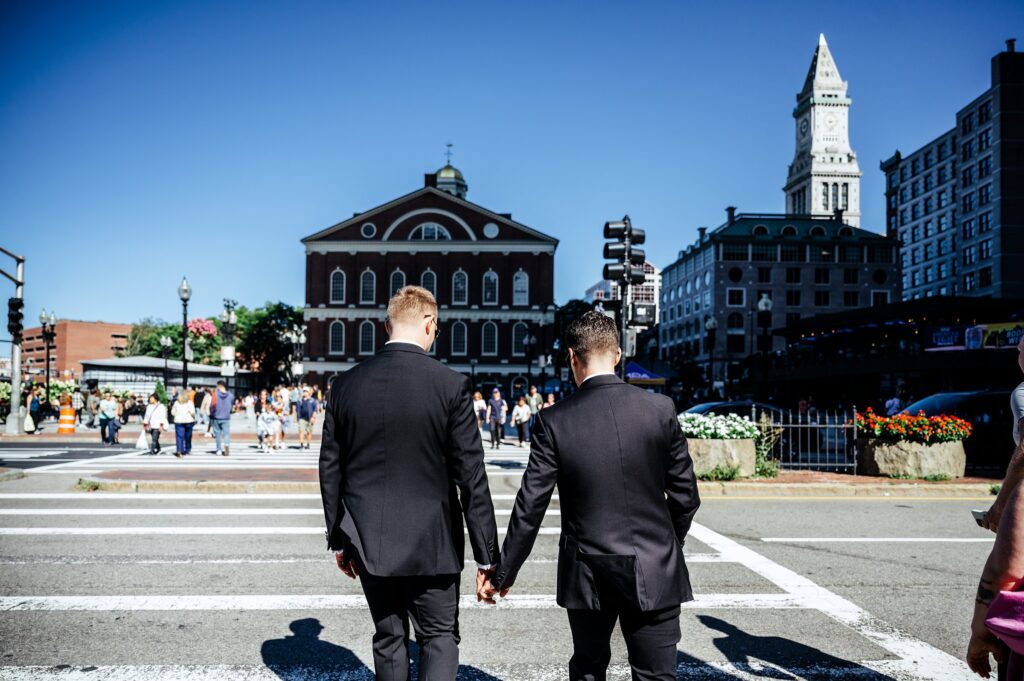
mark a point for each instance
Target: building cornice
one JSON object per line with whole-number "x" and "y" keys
{"x": 541, "y": 317}
{"x": 474, "y": 247}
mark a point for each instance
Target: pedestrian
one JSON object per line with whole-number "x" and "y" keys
{"x": 266, "y": 427}
{"x": 78, "y": 404}
{"x": 497, "y": 408}
{"x": 154, "y": 422}
{"x": 550, "y": 401}
{"x": 184, "y": 413}
{"x": 107, "y": 413}
{"x": 1015, "y": 469}
{"x": 205, "y": 404}
{"x": 521, "y": 419}
{"x": 628, "y": 495}
{"x": 250, "y": 410}
{"x": 415, "y": 474}
{"x": 34, "y": 415}
{"x": 282, "y": 399}
{"x": 480, "y": 409}
{"x": 306, "y": 410}
{"x": 92, "y": 407}
{"x": 893, "y": 405}
{"x": 535, "y": 402}
{"x": 222, "y": 403}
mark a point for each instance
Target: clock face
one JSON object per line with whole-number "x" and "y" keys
{"x": 831, "y": 120}
{"x": 804, "y": 127}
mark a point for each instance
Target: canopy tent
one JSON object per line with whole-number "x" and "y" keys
{"x": 637, "y": 375}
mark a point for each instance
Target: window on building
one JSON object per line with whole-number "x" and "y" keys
{"x": 735, "y": 252}
{"x": 984, "y": 277}
{"x": 984, "y": 222}
{"x": 851, "y": 298}
{"x": 879, "y": 298}
{"x": 915, "y": 188}
{"x": 943, "y": 222}
{"x": 851, "y": 275}
{"x": 736, "y": 343}
{"x": 822, "y": 299}
{"x": 520, "y": 288}
{"x": 460, "y": 288}
{"x": 970, "y": 255}
{"x": 822, "y": 275}
{"x": 792, "y": 253}
{"x": 985, "y": 195}
{"x": 985, "y": 249}
{"x": 397, "y": 281}
{"x": 967, "y": 229}
{"x": 764, "y": 275}
{"x": 764, "y": 252}
{"x": 735, "y": 297}
{"x": 985, "y": 167}
{"x": 942, "y": 174}
{"x": 846, "y": 195}
{"x": 336, "y": 336}
{"x": 967, "y": 124}
{"x": 929, "y": 274}
{"x": 984, "y": 140}
{"x": 967, "y": 176}
{"x": 793, "y": 297}
{"x": 367, "y": 338}
{"x": 943, "y": 270}
{"x": 519, "y": 330}
{"x": 459, "y": 337}
{"x": 793, "y": 275}
{"x": 337, "y": 286}
{"x": 490, "y": 288}
{"x": 822, "y": 253}
{"x": 824, "y": 195}
{"x": 984, "y": 113}
{"x": 367, "y": 287}
{"x": 915, "y": 278}
{"x": 851, "y": 254}
{"x": 967, "y": 202}
{"x": 489, "y": 338}
{"x": 428, "y": 280}
{"x": 967, "y": 150}
{"x": 970, "y": 282}
{"x": 430, "y": 231}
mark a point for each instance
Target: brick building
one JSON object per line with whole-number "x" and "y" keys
{"x": 493, "y": 278}
{"x": 74, "y": 342}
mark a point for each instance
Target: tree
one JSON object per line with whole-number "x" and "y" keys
{"x": 144, "y": 340}
{"x": 262, "y": 346}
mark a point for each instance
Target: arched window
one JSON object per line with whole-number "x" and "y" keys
{"x": 490, "y": 288}
{"x": 368, "y": 287}
{"x": 817, "y": 231}
{"x": 734, "y": 321}
{"x": 428, "y": 280}
{"x": 518, "y": 339}
{"x": 489, "y": 338}
{"x": 397, "y": 281}
{"x": 337, "y": 286}
{"x": 459, "y": 338}
{"x": 460, "y": 288}
{"x": 367, "y": 338}
{"x": 789, "y": 230}
{"x": 521, "y": 288}
{"x": 337, "y": 338}
{"x": 845, "y": 231}
{"x": 760, "y": 230}
{"x": 430, "y": 231}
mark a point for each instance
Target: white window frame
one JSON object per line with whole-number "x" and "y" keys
{"x": 465, "y": 339}
{"x": 743, "y": 303}
{"x": 432, "y": 289}
{"x": 330, "y": 286}
{"x": 516, "y": 278}
{"x": 517, "y": 348}
{"x": 373, "y": 337}
{"x": 483, "y": 339}
{"x": 391, "y": 282}
{"x": 497, "y": 287}
{"x": 330, "y": 338}
{"x": 465, "y": 288}
{"x": 438, "y": 229}
{"x": 362, "y": 276}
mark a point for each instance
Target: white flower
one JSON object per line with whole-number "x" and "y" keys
{"x": 715, "y": 427}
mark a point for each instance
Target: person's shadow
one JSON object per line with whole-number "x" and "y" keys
{"x": 466, "y": 672}
{"x": 304, "y": 655}
{"x": 780, "y": 658}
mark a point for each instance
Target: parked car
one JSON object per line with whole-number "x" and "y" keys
{"x": 740, "y": 408}
{"x": 991, "y": 442}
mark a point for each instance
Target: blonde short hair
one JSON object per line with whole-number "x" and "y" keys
{"x": 410, "y": 305}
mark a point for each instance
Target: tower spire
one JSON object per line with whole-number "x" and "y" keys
{"x": 448, "y": 153}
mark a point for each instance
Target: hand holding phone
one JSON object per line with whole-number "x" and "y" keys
{"x": 979, "y": 516}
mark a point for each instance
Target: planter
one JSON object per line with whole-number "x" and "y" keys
{"x": 911, "y": 459}
{"x": 707, "y": 454}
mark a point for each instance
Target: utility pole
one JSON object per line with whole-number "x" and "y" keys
{"x": 15, "y": 314}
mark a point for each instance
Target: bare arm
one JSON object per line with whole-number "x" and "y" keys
{"x": 1014, "y": 474}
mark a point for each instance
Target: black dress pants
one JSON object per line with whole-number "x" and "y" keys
{"x": 432, "y": 604}
{"x": 651, "y": 640}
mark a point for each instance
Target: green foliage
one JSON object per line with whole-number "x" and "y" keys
{"x": 88, "y": 485}
{"x": 994, "y": 489}
{"x": 900, "y": 476}
{"x": 938, "y": 477}
{"x": 144, "y": 340}
{"x": 261, "y": 344}
{"x": 720, "y": 474}
{"x": 764, "y": 444}
{"x": 161, "y": 392}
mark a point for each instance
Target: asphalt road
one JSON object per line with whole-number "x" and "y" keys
{"x": 29, "y": 455}
{"x": 122, "y": 586}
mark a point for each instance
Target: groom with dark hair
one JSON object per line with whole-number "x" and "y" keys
{"x": 400, "y": 465}
{"x": 628, "y": 496}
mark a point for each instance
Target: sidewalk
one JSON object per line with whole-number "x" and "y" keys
{"x": 241, "y": 428}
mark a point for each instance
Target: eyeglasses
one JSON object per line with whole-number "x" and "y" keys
{"x": 437, "y": 325}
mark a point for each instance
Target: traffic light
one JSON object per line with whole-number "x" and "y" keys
{"x": 15, "y": 317}
{"x": 628, "y": 267}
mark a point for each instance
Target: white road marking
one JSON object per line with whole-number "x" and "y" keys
{"x": 241, "y": 530}
{"x": 926, "y": 661}
{"x": 192, "y": 511}
{"x": 107, "y": 459}
{"x": 690, "y": 559}
{"x": 878, "y": 540}
{"x": 195, "y": 496}
{"x": 336, "y": 602}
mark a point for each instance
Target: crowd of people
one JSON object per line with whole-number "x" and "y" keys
{"x": 495, "y": 413}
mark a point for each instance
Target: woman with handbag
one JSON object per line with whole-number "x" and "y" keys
{"x": 184, "y": 413}
{"x": 521, "y": 417}
{"x": 154, "y": 421}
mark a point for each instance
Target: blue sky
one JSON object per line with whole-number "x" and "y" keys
{"x": 146, "y": 140}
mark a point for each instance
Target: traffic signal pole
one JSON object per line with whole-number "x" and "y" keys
{"x": 14, "y": 425}
{"x": 627, "y": 269}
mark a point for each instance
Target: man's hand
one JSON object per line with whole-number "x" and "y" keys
{"x": 346, "y": 565}
{"x": 981, "y": 645}
{"x": 484, "y": 589}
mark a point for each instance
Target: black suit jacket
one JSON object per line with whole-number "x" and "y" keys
{"x": 400, "y": 443}
{"x": 628, "y": 495}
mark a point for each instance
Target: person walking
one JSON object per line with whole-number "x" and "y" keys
{"x": 480, "y": 409}
{"x": 535, "y": 401}
{"x": 306, "y": 410}
{"x": 249, "y": 402}
{"x": 627, "y": 495}
{"x": 107, "y": 411}
{"x": 205, "y": 398}
{"x": 401, "y": 465}
{"x": 184, "y": 414}
{"x": 497, "y": 409}
{"x": 154, "y": 422}
{"x": 78, "y": 404}
{"x": 92, "y": 407}
{"x": 521, "y": 419}
{"x": 222, "y": 402}
{"x": 550, "y": 401}
{"x": 34, "y": 416}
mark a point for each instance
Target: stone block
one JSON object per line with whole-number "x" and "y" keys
{"x": 707, "y": 454}
{"x": 911, "y": 459}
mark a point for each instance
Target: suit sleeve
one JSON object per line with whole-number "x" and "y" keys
{"x": 466, "y": 463}
{"x": 332, "y": 475}
{"x": 531, "y": 503}
{"x": 680, "y": 482}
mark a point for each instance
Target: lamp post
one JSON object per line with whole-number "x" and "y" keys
{"x": 49, "y": 324}
{"x": 184, "y": 293}
{"x": 711, "y": 328}
{"x": 472, "y": 369}
{"x": 165, "y": 349}
{"x": 228, "y": 325}
{"x": 297, "y": 336}
{"x": 764, "y": 320}
{"x": 530, "y": 348}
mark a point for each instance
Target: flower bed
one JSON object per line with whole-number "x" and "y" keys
{"x": 909, "y": 446}
{"x": 731, "y": 427}
{"x": 720, "y": 445}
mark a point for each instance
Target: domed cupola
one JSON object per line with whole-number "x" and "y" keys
{"x": 450, "y": 179}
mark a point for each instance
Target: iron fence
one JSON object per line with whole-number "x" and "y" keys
{"x": 819, "y": 440}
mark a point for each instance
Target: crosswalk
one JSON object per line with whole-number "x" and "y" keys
{"x": 211, "y": 576}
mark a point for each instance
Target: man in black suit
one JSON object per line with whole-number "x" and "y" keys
{"x": 628, "y": 496}
{"x": 400, "y": 445}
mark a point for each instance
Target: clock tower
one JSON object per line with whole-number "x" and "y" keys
{"x": 824, "y": 175}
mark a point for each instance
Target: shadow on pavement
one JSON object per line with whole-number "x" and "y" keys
{"x": 769, "y": 657}
{"x": 304, "y": 655}
{"x": 466, "y": 672}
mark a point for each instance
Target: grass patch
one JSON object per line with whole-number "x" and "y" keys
{"x": 899, "y": 476}
{"x": 87, "y": 485}
{"x": 994, "y": 489}
{"x": 938, "y": 477}
{"x": 720, "y": 474}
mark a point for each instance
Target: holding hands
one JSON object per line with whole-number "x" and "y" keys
{"x": 485, "y": 589}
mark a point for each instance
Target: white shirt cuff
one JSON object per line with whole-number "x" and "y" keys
{"x": 489, "y": 566}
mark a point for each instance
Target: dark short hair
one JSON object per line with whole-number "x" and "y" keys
{"x": 593, "y": 333}
{"x": 222, "y": 384}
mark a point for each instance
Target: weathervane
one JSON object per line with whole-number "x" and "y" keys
{"x": 448, "y": 152}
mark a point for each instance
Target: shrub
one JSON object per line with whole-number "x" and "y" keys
{"x": 712, "y": 427}
{"x": 907, "y": 428}
{"x": 720, "y": 474}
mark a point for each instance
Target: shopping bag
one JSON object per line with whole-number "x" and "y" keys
{"x": 142, "y": 442}
{"x": 30, "y": 425}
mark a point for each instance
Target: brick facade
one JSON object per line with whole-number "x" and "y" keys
{"x": 75, "y": 341}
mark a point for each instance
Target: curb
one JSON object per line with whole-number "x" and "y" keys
{"x": 11, "y": 474}
{"x": 707, "y": 489}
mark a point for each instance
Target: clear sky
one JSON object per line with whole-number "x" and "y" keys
{"x": 140, "y": 141}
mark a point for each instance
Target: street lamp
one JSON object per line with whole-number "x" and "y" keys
{"x": 228, "y": 324}
{"x": 165, "y": 349}
{"x": 297, "y": 336}
{"x": 764, "y": 320}
{"x": 49, "y": 324}
{"x": 184, "y": 292}
{"x": 472, "y": 369}
{"x": 711, "y": 328}
{"x": 530, "y": 348}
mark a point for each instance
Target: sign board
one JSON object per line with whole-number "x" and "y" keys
{"x": 642, "y": 314}
{"x": 565, "y": 375}
{"x": 227, "y": 353}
